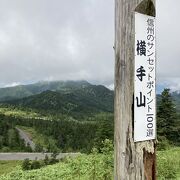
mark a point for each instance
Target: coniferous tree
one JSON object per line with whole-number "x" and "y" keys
{"x": 167, "y": 118}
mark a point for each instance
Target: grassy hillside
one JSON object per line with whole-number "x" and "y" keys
{"x": 8, "y": 166}
{"x": 17, "y": 112}
{"x": 96, "y": 166}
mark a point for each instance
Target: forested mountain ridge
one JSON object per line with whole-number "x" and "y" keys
{"x": 21, "y": 91}
{"x": 72, "y": 98}
{"x": 76, "y": 115}
{"x": 65, "y": 96}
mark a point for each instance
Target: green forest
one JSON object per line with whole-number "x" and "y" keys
{"x": 77, "y": 117}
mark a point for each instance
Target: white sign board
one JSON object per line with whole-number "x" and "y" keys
{"x": 144, "y": 78}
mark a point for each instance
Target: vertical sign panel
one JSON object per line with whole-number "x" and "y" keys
{"x": 144, "y": 78}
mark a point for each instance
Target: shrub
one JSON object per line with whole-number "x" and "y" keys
{"x": 46, "y": 160}
{"x": 163, "y": 144}
{"x": 53, "y": 159}
{"x": 26, "y": 165}
{"x": 36, "y": 164}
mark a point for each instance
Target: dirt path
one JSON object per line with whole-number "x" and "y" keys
{"x": 26, "y": 138}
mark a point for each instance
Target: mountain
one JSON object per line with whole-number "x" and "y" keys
{"x": 70, "y": 98}
{"x": 65, "y": 97}
{"x": 21, "y": 91}
{"x": 176, "y": 99}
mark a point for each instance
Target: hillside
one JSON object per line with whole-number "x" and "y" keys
{"x": 72, "y": 99}
{"x": 74, "y": 115}
{"x": 21, "y": 91}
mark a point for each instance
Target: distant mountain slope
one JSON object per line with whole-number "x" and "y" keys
{"x": 176, "y": 99}
{"x": 74, "y": 99}
{"x": 65, "y": 96}
{"x": 21, "y": 91}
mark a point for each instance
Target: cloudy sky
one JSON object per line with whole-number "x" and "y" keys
{"x": 73, "y": 40}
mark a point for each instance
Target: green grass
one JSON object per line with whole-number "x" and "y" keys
{"x": 15, "y": 112}
{"x": 95, "y": 166}
{"x": 8, "y": 166}
{"x": 168, "y": 163}
{"x": 82, "y": 168}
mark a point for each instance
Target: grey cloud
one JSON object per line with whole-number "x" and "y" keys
{"x": 42, "y": 39}
{"x": 66, "y": 39}
{"x": 168, "y": 43}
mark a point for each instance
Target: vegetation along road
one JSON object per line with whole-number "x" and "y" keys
{"x": 26, "y": 138}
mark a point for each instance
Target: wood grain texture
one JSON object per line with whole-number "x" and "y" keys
{"x": 133, "y": 161}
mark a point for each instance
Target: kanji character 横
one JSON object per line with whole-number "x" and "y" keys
{"x": 141, "y": 48}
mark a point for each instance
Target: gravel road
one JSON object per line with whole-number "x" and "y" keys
{"x": 32, "y": 156}
{"x": 27, "y": 140}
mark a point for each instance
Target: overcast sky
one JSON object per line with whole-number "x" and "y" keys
{"x": 73, "y": 40}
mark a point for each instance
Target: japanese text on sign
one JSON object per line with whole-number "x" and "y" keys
{"x": 144, "y": 79}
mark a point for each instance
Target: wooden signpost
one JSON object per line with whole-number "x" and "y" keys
{"x": 135, "y": 128}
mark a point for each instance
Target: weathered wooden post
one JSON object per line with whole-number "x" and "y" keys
{"x": 134, "y": 160}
